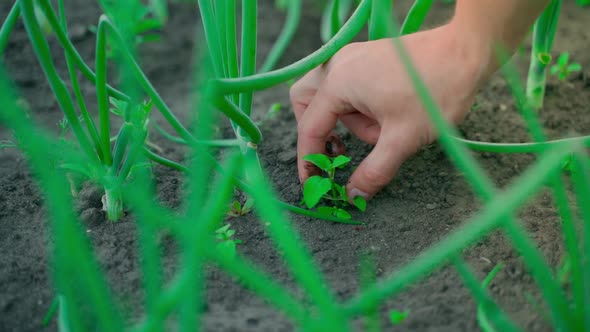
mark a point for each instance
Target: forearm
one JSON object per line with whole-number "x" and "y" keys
{"x": 488, "y": 24}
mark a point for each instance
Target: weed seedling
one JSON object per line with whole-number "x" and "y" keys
{"x": 482, "y": 317}
{"x": 225, "y": 243}
{"x": 236, "y": 209}
{"x": 318, "y": 187}
{"x": 563, "y": 68}
{"x": 7, "y": 144}
{"x": 398, "y": 317}
{"x": 273, "y": 111}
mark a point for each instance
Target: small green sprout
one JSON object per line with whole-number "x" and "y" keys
{"x": 5, "y": 144}
{"x": 482, "y": 318}
{"x": 238, "y": 210}
{"x": 563, "y": 68}
{"x": 317, "y": 188}
{"x": 225, "y": 243}
{"x": 273, "y": 111}
{"x": 398, "y": 317}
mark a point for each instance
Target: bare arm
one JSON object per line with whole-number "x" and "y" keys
{"x": 489, "y": 23}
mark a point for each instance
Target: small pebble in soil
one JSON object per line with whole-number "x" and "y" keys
{"x": 431, "y": 206}
{"x": 252, "y": 321}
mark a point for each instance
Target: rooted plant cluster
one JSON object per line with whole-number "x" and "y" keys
{"x": 317, "y": 188}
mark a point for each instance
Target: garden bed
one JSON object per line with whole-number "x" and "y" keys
{"x": 427, "y": 200}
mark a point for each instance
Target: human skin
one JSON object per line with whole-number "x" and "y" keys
{"x": 365, "y": 86}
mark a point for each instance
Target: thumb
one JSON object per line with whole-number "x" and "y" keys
{"x": 381, "y": 165}
{"x": 314, "y": 130}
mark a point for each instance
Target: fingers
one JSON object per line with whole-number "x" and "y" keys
{"x": 381, "y": 165}
{"x": 304, "y": 90}
{"x": 364, "y": 127}
{"x": 302, "y": 94}
{"x": 301, "y": 97}
{"x": 315, "y": 128}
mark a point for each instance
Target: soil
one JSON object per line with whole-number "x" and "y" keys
{"x": 427, "y": 200}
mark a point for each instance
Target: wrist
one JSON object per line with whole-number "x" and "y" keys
{"x": 475, "y": 50}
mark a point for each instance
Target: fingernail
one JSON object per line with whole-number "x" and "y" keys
{"x": 356, "y": 192}
{"x": 335, "y": 146}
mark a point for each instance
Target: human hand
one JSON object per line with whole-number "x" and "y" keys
{"x": 366, "y": 87}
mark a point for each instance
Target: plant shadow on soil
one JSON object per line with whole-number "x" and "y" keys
{"x": 427, "y": 199}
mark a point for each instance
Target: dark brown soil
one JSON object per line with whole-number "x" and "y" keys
{"x": 427, "y": 200}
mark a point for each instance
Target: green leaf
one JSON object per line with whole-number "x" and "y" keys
{"x": 326, "y": 211}
{"x": 482, "y": 317}
{"x": 319, "y": 160}
{"x": 341, "y": 192}
{"x": 562, "y": 75}
{"x": 574, "y": 67}
{"x": 314, "y": 189}
{"x": 222, "y": 230}
{"x": 248, "y": 205}
{"x": 236, "y": 207}
{"x": 398, "y": 317}
{"x": 118, "y": 106}
{"x": 147, "y": 25}
{"x": 228, "y": 248}
{"x": 360, "y": 203}
{"x": 63, "y": 322}
{"x": 341, "y": 161}
{"x": 273, "y": 111}
{"x": 7, "y": 144}
{"x": 567, "y": 164}
{"x": 342, "y": 214}
{"x": 554, "y": 69}
{"x": 563, "y": 59}
{"x": 149, "y": 38}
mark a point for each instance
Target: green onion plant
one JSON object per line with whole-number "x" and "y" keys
{"x": 543, "y": 36}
